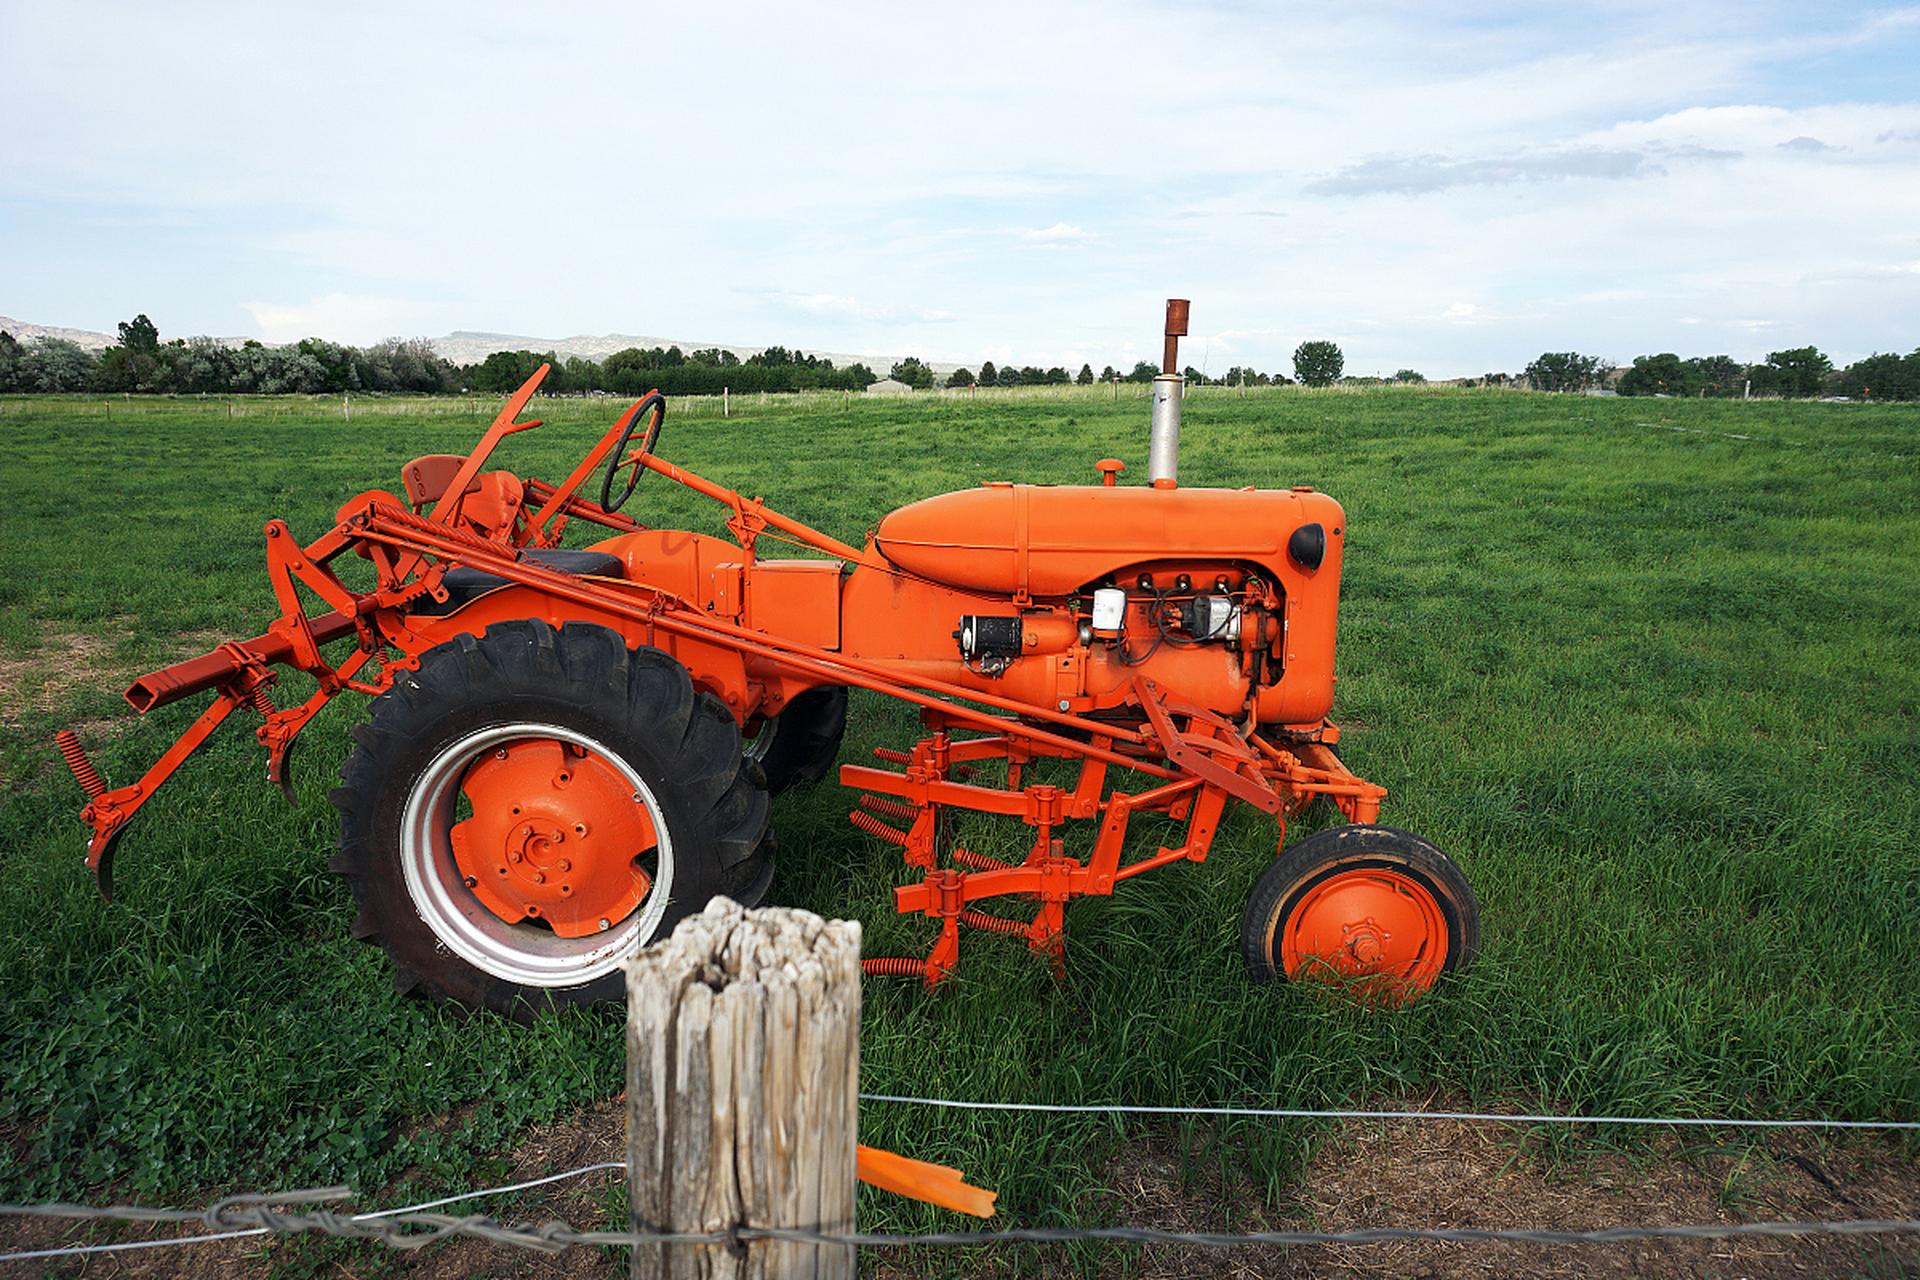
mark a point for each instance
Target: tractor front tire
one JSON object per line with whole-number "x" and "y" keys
{"x": 530, "y": 806}
{"x": 1373, "y": 908}
{"x": 798, "y": 746}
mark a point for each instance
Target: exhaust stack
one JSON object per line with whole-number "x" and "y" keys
{"x": 1163, "y": 440}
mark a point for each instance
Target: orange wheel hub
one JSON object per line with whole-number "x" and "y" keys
{"x": 1375, "y": 927}
{"x": 556, "y": 835}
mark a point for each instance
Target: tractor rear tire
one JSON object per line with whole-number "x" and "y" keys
{"x": 1372, "y": 907}
{"x": 798, "y": 746}
{"x": 504, "y": 756}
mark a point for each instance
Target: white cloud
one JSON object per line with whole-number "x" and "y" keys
{"x": 357, "y": 321}
{"x": 988, "y": 178}
{"x": 1055, "y": 236}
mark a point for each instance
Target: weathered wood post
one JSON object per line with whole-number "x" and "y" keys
{"x": 743, "y": 1077}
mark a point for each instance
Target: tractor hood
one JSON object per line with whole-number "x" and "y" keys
{"x": 1052, "y": 540}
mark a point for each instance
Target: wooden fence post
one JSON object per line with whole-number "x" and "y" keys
{"x": 743, "y": 1077}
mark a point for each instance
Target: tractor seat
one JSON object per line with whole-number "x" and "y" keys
{"x": 489, "y": 505}
{"x": 467, "y": 585}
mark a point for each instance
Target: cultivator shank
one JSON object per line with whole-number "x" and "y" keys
{"x": 1198, "y": 769}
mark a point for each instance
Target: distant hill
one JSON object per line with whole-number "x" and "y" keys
{"x": 466, "y": 347}
{"x": 87, "y": 339}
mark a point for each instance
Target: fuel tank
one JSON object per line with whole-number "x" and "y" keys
{"x": 1052, "y": 540}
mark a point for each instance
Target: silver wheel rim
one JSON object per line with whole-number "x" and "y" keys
{"x": 522, "y": 953}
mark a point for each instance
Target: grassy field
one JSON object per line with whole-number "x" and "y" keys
{"x": 1648, "y": 669}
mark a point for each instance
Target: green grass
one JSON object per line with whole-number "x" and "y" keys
{"x": 1648, "y": 669}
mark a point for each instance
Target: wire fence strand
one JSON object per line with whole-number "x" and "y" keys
{"x": 409, "y": 1231}
{"x": 414, "y": 1227}
{"x": 1296, "y": 1113}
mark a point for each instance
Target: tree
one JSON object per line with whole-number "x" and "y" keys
{"x": 1661, "y": 375}
{"x": 1882, "y": 377}
{"x": 961, "y": 377}
{"x": 1718, "y": 375}
{"x": 1408, "y": 375}
{"x": 53, "y": 364}
{"x": 1108, "y": 375}
{"x": 1565, "y": 371}
{"x": 1085, "y": 376}
{"x": 139, "y": 334}
{"x": 504, "y": 371}
{"x": 1801, "y": 373}
{"x": 1318, "y": 364}
{"x": 912, "y": 372}
{"x": 1143, "y": 371}
{"x": 989, "y": 376}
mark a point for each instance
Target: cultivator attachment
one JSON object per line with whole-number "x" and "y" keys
{"x": 1197, "y": 760}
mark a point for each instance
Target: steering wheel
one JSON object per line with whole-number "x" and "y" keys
{"x": 653, "y": 407}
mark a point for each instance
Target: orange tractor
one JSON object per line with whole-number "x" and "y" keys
{"x": 568, "y": 750}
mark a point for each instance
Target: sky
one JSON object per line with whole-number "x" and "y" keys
{"x": 1452, "y": 189}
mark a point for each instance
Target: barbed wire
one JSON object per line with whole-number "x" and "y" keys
{"x": 412, "y": 1227}
{"x": 249, "y": 1214}
{"x": 297, "y": 1197}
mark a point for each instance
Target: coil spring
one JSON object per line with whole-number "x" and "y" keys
{"x": 892, "y": 808}
{"x": 992, "y": 924}
{"x": 980, "y": 861}
{"x": 891, "y": 756}
{"x": 894, "y": 968}
{"x": 77, "y": 761}
{"x": 873, "y": 826}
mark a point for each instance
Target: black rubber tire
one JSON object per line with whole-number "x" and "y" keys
{"x": 799, "y": 745}
{"x": 636, "y": 710}
{"x": 1400, "y": 862}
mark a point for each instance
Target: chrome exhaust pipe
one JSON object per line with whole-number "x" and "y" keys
{"x": 1163, "y": 439}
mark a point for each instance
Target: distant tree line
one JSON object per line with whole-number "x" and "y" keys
{"x": 141, "y": 362}
{"x": 992, "y": 375}
{"x": 1145, "y": 371}
{"x": 636, "y": 371}
{"x": 1802, "y": 373}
